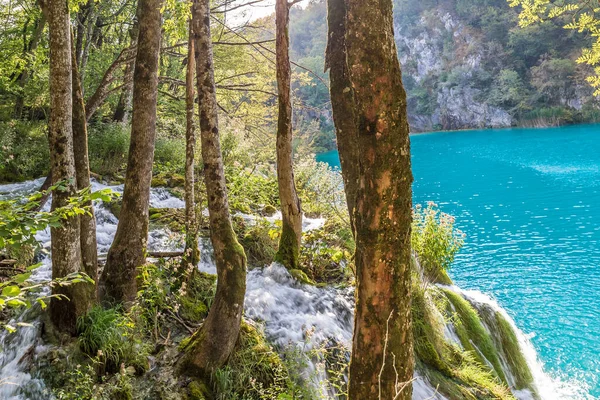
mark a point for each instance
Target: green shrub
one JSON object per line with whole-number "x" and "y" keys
{"x": 108, "y": 148}
{"x": 326, "y": 253}
{"x": 254, "y": 370}
{"x": 108, "y": 335}
{"x": 259, "y": 241}
{"x": 169, "y": 156}
{"x": 436, "y": 241}
{"x": 24, "y": 151}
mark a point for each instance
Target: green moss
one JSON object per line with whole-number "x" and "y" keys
{"x": 473, "y": 335}
{"x": 199, "y": 390}
{"x": 173, "y": 218}
{"x": 513, "y": 354}
{"x": 196, "y": 302}
{"x": 170, "y": 180}
{"x": 114, "y": 206}
{"x": 269, "y": 210}
{"x": 288, "y": 252}
{"x": 301, "y": 276}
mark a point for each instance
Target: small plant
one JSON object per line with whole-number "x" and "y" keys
{"x": 436, "y": 241}
{"x": 109, "y": 335}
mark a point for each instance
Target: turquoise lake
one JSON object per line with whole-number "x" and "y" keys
{"x": 529, "y": 202}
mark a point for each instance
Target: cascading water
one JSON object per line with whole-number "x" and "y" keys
{"x": 293, "y": 314}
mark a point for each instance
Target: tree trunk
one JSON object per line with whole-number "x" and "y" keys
{"x": 342, "y": 100}
{"x": 382, "y": 354}
{"x": 87, "y": 222}
{"x": 214, "y": 341}
{"x": 86, "y": 22}
{"x": 103, "y": 90}
{"x": 192, "y": 254}
{"x": 66, "y": 252}
{"x": 127, "y": 253}
{"x": 291, "y": 212}
{"x": 123, "y": 110}
{"x": 25, "y": 74}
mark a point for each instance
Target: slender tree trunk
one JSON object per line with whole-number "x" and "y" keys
{"x": 103, "y": 90}
{"x": 192, "y": 254}
{"x": 123, "y": 110}
{"x": 382, "y": 354}
{"x": 25, "y": 74}
{"x": 66, "y": 252}
{"x": 87, "y": 222}
{"x": 86, "y": 23}
{"x": 213, "y": 343}
{"x": 291, "y": 212}
{"x": 127, "y": 253}
{"x": 342, "y": 100}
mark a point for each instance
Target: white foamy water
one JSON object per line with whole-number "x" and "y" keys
{"x": 293, "y": 314}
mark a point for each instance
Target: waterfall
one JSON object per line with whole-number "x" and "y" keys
{"x": 294, "y": 314}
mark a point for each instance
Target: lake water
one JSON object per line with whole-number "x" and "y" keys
{"x": 529, "y": 202}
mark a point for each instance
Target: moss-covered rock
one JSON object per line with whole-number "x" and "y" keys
{"x": 473, "y": 335}
{"x": 172, "y": 218}
{"x": 199, "y": 390}
{"x": 301, "y": 276}
{"x": 170, "y": 180}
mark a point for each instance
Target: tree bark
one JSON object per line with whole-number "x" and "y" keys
{"x": 192, "y": 254}
{"x": 87, "y": 222}
{"x": 212, "y": 344}
{"x": 66, "y": 252}
{"x": 127, "y": 253}
{"x": 342, "y": 100}
{"x": 382, "y": 354}
{"x": 291, "y": 212}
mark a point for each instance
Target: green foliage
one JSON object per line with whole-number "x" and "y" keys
{"x": 320, "y": 189}
{"x": 19, "y": 223}
{"x": 326, "y": 254}
{"x": 23, "y": 151}
{"x": 108, "y": 147}
{"x": 108, "y": 335}
{"x": 576, "y": 16}
{"x": 259, "y": 240}
{"x": 254, "y": 370}
{"x": 436, "y": 241}
{"x": 81, "y": 384}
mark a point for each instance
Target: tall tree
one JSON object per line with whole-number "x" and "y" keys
{"x": 66, "y": 250}
{"x": 291, "y": 212}
{"x": 128, "y": 251}
{"x": 382, "y": 355}
{"x": 123, "y": 109}
{"x": 87, "y": 222}
{"x": 192, "y": 254}
{"x": 342, "y": 100}
{"x": 213, "y": 343}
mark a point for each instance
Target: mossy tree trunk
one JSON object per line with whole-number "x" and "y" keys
{"x": 191, "y": 252}
{"x": 128, "y": 251}
{"x": 382, "y": 354}
{"x": 66, "y": 251}
{"x": 342, "y": 100}
{"x": 87, "y": 222}
{"x": 213, "y": 343}
{"x": 291, "y": 212}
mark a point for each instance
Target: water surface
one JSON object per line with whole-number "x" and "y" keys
{"x": 529, "y": 202}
